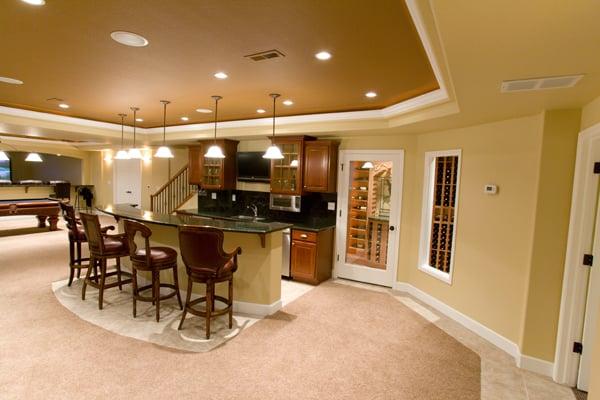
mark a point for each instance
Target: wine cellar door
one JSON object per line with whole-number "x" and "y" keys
{"x": 369, "y": 203}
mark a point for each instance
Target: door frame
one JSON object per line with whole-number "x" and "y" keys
{"x": 343, "y": 205}
{"x": 116, "y": 181}
{"x": 576, "y": 276}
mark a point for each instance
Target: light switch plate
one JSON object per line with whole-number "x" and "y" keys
{"x": 490, "y": 189}
{"x": 213, "y": 196}
{"x": 233, "y": 197}
{"x": 331, "y": 205}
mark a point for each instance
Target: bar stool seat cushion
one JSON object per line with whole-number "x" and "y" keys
{"x": 114, "y": 245}
{"x": 79, "y": 233}
{"x": 158, "y": 255}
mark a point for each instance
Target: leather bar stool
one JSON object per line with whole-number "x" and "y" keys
{"x": 206, "y": 262}
{"x": 102, "y": 248}
{"x": 76, "y": 238}
{"x": 153, "y": 259}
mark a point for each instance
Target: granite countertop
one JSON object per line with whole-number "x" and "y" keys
{"x": 228, "y": 225}
{"x": 314, "y": 225}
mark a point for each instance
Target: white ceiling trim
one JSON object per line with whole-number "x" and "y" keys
{"x": 417, "y": 103}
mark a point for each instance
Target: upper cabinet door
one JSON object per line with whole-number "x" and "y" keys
{"x": 286, "y": 174}
{"x": 196, "y": 156}
{"x": 320, "y": 166}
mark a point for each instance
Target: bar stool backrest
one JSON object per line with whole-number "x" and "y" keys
{"x": 91, "y": 225}
{"x": 131, "y": 230}
{"x": 68, "y": 213}
{"x": 202, "y": 250}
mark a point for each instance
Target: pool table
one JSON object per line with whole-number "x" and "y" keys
{"x": 42, "y": 208}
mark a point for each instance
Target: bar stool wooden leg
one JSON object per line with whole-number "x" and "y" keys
{"x": 87, "y": 277}
{"x": 135, "y": 289}
{"x": 188, "y": 296}
{"x": 71, "y": 261}
{"x": 119, "y": 273}
{"x": 156, "y": 284}
{"x": 230, "y": 303}
{"x": 102, "y": 283}
{"x": 209, "y": 305}
{"x": 176, "y": 282}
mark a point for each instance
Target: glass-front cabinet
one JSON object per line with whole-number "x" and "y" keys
{"x": 213, "y": 173}
{"x": 286, "y": 174}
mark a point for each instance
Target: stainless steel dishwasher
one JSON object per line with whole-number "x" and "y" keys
{"x": 285, "y": 250}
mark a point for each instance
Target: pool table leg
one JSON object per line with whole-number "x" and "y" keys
{"x": 41, "y": 221}
{"x": 53, "y": 221}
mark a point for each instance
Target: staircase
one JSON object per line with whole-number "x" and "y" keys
{"x": 173, "y": 194}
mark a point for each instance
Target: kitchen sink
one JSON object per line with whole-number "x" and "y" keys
{"x": 248, "y": 218}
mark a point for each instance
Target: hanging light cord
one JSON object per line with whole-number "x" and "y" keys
{"x": 165, "y": 102}
{"x": 122, "y": 129}
{"x": 217, "y": 98}
{"x": 134, "y": 118}
{"x": 274, "y": 96}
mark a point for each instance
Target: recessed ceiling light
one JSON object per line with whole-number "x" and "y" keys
{"x": 35, "y": 2}
{"x": 287, "y": 102}
{"x": 139, "y": 120}
{"x": 64, "y": 105}
{"x": 184, "y": 118}
{"x": 260, "y": 111}
{"x": 203, "y": 110}
{"x": 371, "y": 94}
{"x": 12, "y": 81}
{"x": 323, "y": 55}
{"x": 221, "y": 75}
{"x": 129, "y": 39}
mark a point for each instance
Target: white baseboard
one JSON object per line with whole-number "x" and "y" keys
{"x": 261, "y": 310}
{"x": 536, "y": 365}
{"x": 526, "y": 362}
{"x": 493, "y": 337}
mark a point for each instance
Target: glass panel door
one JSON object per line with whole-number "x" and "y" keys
{"x": 369, "y": 193}
{"x": 211, "y": 172}
{"x": 285, "y": 176}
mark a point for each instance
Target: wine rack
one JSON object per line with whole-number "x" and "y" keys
{"x": 442, "y": 221}
{"x": 366, "y": 241}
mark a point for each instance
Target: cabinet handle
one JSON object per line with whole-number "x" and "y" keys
{"x": 303, "y": 236}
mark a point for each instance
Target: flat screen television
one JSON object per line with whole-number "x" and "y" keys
{"x": 252, "y": 167}
{"x": 5, "y": 170}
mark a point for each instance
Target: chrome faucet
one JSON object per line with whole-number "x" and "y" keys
{"x": 254, "y": 209}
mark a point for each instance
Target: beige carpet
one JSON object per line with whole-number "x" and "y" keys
{"x": 116, "y": 316}
{"x": 335, "y": 342}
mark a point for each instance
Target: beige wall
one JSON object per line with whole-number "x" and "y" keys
{"x": 590, "y": 114}
{"x": 594, "y": 393}
{"x": 559, "y": 146}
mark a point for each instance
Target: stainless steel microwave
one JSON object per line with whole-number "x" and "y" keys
{"x": 285, "y": 202}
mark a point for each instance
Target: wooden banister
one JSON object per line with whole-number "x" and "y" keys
{"x": 172, "y": 194}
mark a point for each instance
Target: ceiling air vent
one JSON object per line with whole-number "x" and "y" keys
{"x": 265, "y": 55}
{"x": 553, "y": 82}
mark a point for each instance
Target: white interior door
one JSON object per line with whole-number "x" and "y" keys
{"x": 369, "y": 204}
{"x": 128, "y": 181}
{"x": 592, "y": 311}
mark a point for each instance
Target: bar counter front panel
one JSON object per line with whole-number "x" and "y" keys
{"x": 257, "y": 282}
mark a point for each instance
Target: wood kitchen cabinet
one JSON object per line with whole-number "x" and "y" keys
{"x": 286, "y": 174}
{"x": 311, "y": 256}
{"x": 320, "y": 166}
{"x": 213, "y": 173}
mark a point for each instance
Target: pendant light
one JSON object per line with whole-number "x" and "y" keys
{"x": 134, "y": 152}
{"x": 163, "y": 151}
{"x": 33, "y": 157}
{"x": 3, "y": 155}
{"x": 273, "y": 152}
{"x": 215, "y": 151}
{"x": 122, "y": 153}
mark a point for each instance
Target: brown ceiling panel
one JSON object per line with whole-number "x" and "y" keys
{"x": 64, "y": 50}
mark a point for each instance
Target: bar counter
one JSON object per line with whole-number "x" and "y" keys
{"x": 257, "y": 282}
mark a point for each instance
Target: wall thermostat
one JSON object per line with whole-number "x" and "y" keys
{"x": 490, "y": 189}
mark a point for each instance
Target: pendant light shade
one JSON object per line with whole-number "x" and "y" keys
{"x": 134, "y": 152}
{"x": 215, "y": 151}
{"x": 273, "y": 152}
{"x": 3, "y": 156}
{"x": 122, "y": 153}
{"x": 163, "y": 151}
{"x": 33, "y": 157}
{"x": 367, "y": 165}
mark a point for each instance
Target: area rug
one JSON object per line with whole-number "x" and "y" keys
{"x": 116, "y": 316}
